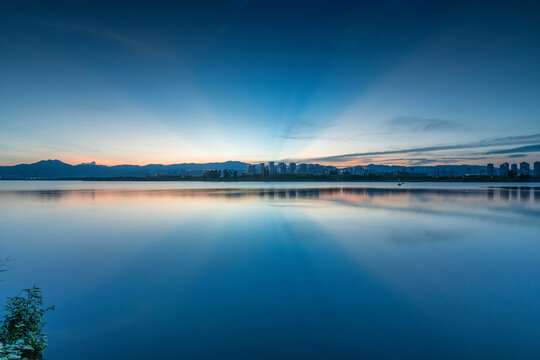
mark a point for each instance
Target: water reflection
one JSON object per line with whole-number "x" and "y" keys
{"x": 457, "y": 201}
{"x": 490, "y": 194}
{"x": 291, "y": 272}
{"x": 524, "y": 193}
{"x": 504, "y": 193}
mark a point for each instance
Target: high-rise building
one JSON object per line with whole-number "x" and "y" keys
{"x": 503, "y": 169}
{"x": 271, "y": 168}
{"x": 282, "y": 168}
{"x": 261, "y": 168}
{"x": 251, "y": 169}
{"x": 537, "y": 168}
{"x": 320, "y": 169}
{"x": 358, "y": 170}
{"x": 514, "y": 168}
{"x": 490, "y": 169}
{"x": 302, "y": 169}
{"x": 292, "y": 168}
{"x": 524, "y": 168}
{"x": 333, "y": 169}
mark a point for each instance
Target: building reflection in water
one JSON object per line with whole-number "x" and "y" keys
{"x": 391, "y": 196}
{"x": 525, "y": 193}
{"x": 513, "y": 193}
{"x": 504, "y": 194}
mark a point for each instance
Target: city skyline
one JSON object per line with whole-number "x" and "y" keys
{"x": 337, "y": 83}
{"x": 56, "y": 169}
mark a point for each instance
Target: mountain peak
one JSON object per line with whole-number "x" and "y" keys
{"x": 56, "y": 169}
{"x": 50, "y": 161}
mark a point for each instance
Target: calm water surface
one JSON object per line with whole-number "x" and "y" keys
{"x": 278, "y": 271}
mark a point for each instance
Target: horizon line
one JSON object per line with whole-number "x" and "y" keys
{"x": 257, "y": 163}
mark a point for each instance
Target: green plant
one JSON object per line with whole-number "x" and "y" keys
{"x": 21, "y": 334}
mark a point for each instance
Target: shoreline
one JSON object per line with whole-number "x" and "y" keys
{"x": 378, "y": 179}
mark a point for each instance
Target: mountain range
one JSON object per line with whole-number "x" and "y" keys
{"x": 56, "y": 169}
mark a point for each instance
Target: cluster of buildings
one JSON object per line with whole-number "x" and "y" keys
{"x": 505, "y": 168}
{"x": 271, "y": 168}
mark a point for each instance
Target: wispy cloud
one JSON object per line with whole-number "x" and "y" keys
{"x": 422, "y": 162}
{"x": 417, "y": 123}
{"x": 303, "y": 130}
{"x": 119, "y": 38}
{"x": 509, "y": 140}
{"x": 517, "y": 156}
{"x": 100, "y": 107}
{"x": 445, "y": 160}
{"x": 298, "y": 137}
{"x": 521, "y": 149}
{"x": 417, "y": 161}
{"x": 307, "y": 130}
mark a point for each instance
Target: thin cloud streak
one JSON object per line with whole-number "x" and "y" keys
{"x": 416, "y": 123}
{"x": 303, "y": 130}
{"x": 509, "y": 140}
{"x": 517, "y": 156}
{"x": 443, "y": 160}
{"x": 531, "y": 148}
{"x": 116, "y": 37}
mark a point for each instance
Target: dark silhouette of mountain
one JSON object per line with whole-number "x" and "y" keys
{"x": 56, "y": 169}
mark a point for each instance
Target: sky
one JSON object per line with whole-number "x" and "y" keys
{"x": 332, "y": 82}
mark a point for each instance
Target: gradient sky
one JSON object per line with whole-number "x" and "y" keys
{"x": 399, "y": 82}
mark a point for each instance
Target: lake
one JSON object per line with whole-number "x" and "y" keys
{"x": 200, "y": 270}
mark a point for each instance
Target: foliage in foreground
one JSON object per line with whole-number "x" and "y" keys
{"x": 21, "y": 334}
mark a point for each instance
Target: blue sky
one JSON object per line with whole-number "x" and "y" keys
{"x": 399, "y": 82}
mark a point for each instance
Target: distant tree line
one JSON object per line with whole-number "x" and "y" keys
{"x": 334, "y": 176}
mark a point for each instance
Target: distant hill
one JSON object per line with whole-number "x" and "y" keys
{"x": 56, "y": 169}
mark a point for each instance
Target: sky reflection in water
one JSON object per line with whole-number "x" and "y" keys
{"x": 271, "y": 271}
